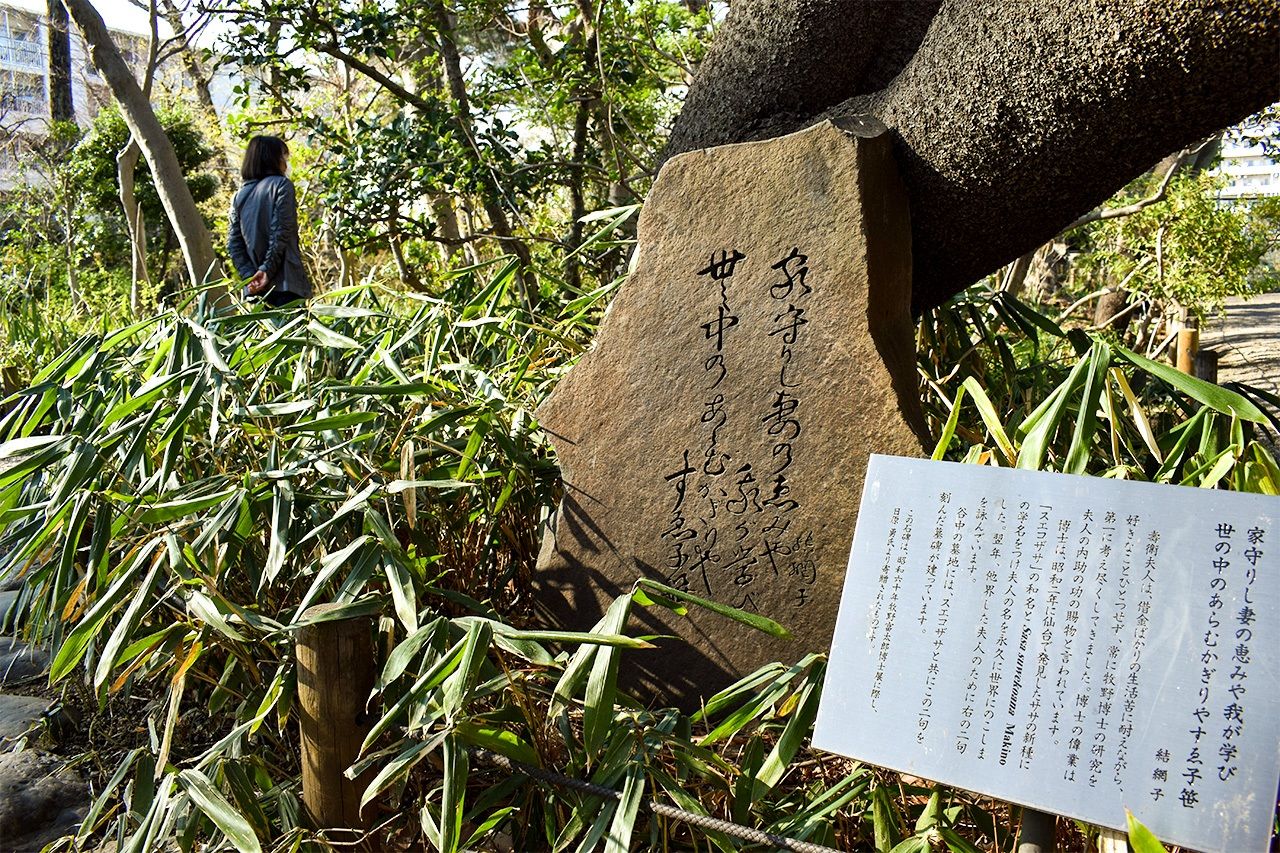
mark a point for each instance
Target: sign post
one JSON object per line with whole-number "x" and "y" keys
{"x": 1076, "y": 645}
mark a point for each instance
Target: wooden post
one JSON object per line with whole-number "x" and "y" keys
{"x": 1036, "y": 832}
{"x": 1112, "y": 841}
{"x": 1188, "y": 346}
{"x": 1206, "y": 365}
{"x": 335, "y": 675}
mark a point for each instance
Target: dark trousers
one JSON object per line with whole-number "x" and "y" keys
{"x": 280, "y": 298}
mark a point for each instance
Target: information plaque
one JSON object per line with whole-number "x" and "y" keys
{"x": 1079, "y": 645}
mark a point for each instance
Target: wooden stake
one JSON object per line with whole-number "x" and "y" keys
{"x": 1206, "y": 365}
{"x": 1188, "y": 346}
{"x": 335, "y": 675}
{"x": 1036, "y": 833}
{"x": 1112, "y": 841}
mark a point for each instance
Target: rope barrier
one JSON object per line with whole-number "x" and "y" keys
{"x": 705, "y": 822}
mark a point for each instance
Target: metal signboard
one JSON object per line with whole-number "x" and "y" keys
{"x": 1078, "y": 645}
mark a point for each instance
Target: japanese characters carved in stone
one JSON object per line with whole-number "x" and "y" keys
{"x": 716, "y": 437}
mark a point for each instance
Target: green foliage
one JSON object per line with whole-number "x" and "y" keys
{"x": 184, "y": 488}
{"x": 64, "y": 246}
{"x": 1189, "y": 248}
{"x": 94, "y": 160}
{"x": 1261, "y": 129}
{"x": 380, "y": 169}
{"x": 39, "y": 217}
{"x": 1047, "y": 399}
{"x": 34, "y": 330}
{"x": 1140, "y": 838}
{"x": 94, "y": 166}
{"x": 230, "y": 471}
{"x": 566, "y": 109}
{"x": 43, "y": 242}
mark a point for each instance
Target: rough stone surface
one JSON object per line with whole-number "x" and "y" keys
{"x": 17, "y": 713}
{"x": 19, "y": 661}
{"x": 809, "y": 361}
{"x": 40, "y": 801}
{"x": 1010, "y": 118}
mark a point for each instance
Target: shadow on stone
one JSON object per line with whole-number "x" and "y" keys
{"x": 716, "y": 436}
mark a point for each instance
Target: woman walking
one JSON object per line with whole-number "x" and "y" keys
{"x": 262, "y": 236}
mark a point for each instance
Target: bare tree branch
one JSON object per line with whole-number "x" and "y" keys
{"x": 1101, "y": 214}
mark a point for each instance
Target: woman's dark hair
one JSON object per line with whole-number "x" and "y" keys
{"x": 264, "y": 156}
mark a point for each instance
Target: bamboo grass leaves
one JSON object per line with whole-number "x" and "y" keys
{"x": 185, "y": 491}
{"x": 180, "y": 491}
{"x": 1081, "y": 414}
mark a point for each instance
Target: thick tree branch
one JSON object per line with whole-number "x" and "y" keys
{"x": 1174, "y": 165}
{"x": 1011, "y": 120}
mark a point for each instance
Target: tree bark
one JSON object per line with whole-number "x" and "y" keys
{"x": 491, "y": 197}
{"x": 69, "y": 251}
{"x": 446, "y": 218}
{"x": 577, "y": 196}
{"x": 126, "y": 168}
{"x": 589, "y": 45}
{"x": 191, "y": 61}
{"x": 1010, "y": 119}
{"x": 193, "y": 237}
{"x": 420, "y": 76}
{"x": 61, "y": 102}
{"x": 126, "y": 171}
{"x": 407, "y": 274}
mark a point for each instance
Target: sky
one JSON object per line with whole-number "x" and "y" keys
{"x": 119, "y": 14}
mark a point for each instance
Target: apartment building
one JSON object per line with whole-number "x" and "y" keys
{"x": 23, "y": 67}
{"x": 24, "y": 71}
{"x": 1249, "y": 171}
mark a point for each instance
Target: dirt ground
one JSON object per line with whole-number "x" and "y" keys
{"x": 1248, "y": 342}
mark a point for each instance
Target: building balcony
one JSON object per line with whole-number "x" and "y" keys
{"x": 21, "y": 53}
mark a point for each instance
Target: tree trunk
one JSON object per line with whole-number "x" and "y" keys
{"x": 188, "y": 226}
{"x": 419, "y": 76}
{"x": 586, "y": 26}
{"x": 69, "y": 248}
{"x": 1016, "y": 274}
{"x": 538, "y": 14}
{"x": 577, "y": 199}
{"x": 61, "y": 102}
{"x": 446, "y": 217}
{"x": 126, "y": 168}
{"x": 1000, "y": 147}
{"x": 491, "y": 195}
{"x": 407, "y": 274}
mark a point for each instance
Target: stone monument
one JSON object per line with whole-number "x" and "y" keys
{"x": 716, "y": 436}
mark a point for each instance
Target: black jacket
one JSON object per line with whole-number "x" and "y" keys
{"x": 263, "y": 234}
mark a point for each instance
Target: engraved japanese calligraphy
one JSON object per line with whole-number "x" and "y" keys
{"x": 715, "y": 437}
{"x": 739, "y": 545}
